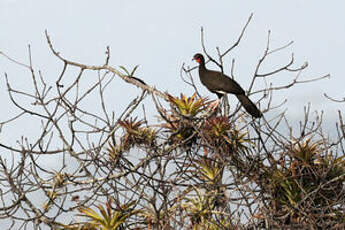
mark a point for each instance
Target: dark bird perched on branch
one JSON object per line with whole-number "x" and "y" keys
{"x": 220, "y": 84}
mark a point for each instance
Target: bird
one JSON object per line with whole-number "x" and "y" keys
{"x": 220, "y": 84}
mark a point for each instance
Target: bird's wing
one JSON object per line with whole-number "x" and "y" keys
{"x": 218, "y": 82}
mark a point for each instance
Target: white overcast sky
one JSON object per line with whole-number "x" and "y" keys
{"x": 161, "y": 35}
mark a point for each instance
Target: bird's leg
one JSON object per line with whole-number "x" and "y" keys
{"x": 226, "y": 105}
{"x": 214, "y": 105}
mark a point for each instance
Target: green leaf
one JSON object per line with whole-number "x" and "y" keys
{"x": 124, "y": 69}
{"x": 135, "y": 68}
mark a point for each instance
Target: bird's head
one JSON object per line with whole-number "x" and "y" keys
{"x": 199, "y": 58}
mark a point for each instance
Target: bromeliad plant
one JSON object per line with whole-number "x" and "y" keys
{"x": 189, "y": 106}
{"x": 220, "y": 129}
{"x": 135, "y": 134}
{"x": 217, "y": 127}
{"x": 155, "y": 219}
{"x": 225, "y": 138}
{"x": 106, "y": 218}
{"x": 209, "y": 171}
{"x": 114, "y": 152}
{"x": 201, "y": 209}
{"x": 183, "y": 118}
{"x": 305, "y": 152}
{"x": 306, "y": 180}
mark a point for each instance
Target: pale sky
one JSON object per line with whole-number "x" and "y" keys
{"x": 161, "y": 35}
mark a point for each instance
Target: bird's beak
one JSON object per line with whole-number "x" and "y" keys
{"x": 196, "y": 59}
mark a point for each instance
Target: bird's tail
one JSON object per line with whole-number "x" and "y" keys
{"x": 249, "y": 105}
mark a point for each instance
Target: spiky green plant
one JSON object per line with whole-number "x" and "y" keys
{"x": 209, "y": 170}
{"x": 201, "y": 209}
{"x": 135, "y": 134}
{"x": 306, "y": 180}
{"x": 226, "y": 139}
{"x": 188, "y": 106}
{"x": 114, "y": 152}
{"x": 106, "y": 218}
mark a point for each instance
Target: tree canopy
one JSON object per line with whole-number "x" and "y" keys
{"x": 191, "y": 167}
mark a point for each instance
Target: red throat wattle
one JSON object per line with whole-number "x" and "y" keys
{"x": 197, "y": 60}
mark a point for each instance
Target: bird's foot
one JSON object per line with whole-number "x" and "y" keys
{"x": 214, "y": 105}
